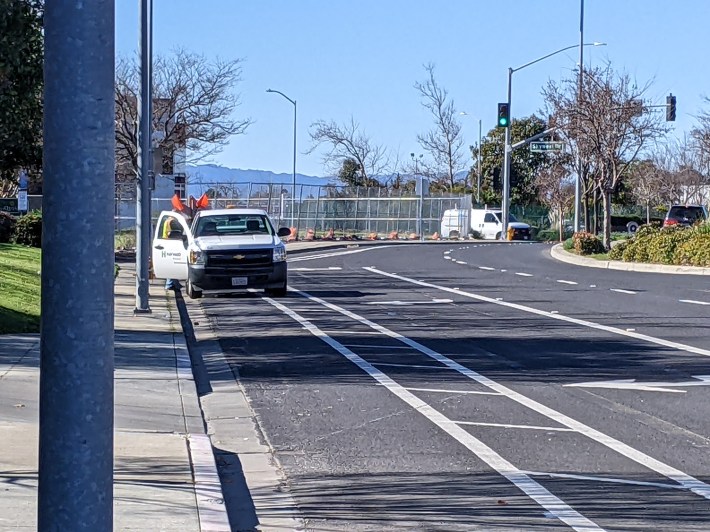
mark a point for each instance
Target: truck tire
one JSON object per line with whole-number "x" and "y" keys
{"x": 498, "y": 235}
{"x": 632, "y": 227}
{"x": 192, "y": 292}
{"x": 277, "y": 292}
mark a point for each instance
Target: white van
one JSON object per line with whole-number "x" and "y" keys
{"x": 488, "y": 222}
{"x": 457, "y": 223}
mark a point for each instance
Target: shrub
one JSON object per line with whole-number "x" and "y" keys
{"x": 587, "y": 244}
{"x": 7, "y": 227}
{"x": 568, "y": 244}
{"x": 28, "y": 230}
{"x": 551, "y": 235}
{"x": 695, "y": 251}
{"x": 617, "y": 252}
{"x": 662, "y": 247}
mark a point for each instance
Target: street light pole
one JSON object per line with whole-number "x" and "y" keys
{"x": 478, "y": 183}
{"x": 578, "y": 179}
{"x": 508, "y": 148}
{"x": 145, "y": 161}
{"x": 293, "y": 191}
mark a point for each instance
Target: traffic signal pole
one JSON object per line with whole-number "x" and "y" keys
{"x": 75, "y": 483}
{"x": 505, "y": 208}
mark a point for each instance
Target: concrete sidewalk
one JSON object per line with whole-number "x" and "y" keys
{"x": 165, "y": 476}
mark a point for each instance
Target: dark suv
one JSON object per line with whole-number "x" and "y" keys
{"x": 685, "y": 215}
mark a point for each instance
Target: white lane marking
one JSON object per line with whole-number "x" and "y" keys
{"x": 565, "y": 282}
{"x": 461, "y": 262}
{"x": 556, "y": 506}
{"x": 487, "y": 268}
{"x": 560, "y": 317}
{"x": 418, "y": 366}
{"x": 688, "y": 481}
{"x": 692, "y": 301}
{"x": 370, "y": 345}
{"x": 604, "y": 479}
{"x": 448, "y": 258}
{"x": 328, "y": 269}
{"x": 447, "y": 252}
{"x": 504, "y": 270}
{"x": 631, "y": 384}
{"x": 407, "y": 303}
{"x": 509, "y": 426}
{"x": 437, "y": 390}
{"x": 337, "y": 253}
{"x": 521, "y": 274}
{"x": 622, "y": 291}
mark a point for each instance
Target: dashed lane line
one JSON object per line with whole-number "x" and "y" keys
{"x": 565, "y": 282}
{"x": 694, "y": 302}
{"x": 689, "y": 482}
{"x": 522, "y": 274}
{"x": 622, "y": 291}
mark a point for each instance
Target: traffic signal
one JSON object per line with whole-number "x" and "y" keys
{"x": 503, "y": 115}
{"x": 670, "y": 108}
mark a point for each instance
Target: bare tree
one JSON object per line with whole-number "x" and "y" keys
{"x": 609, "y": 123}
{"x": 193, "y": 107}
{"x": 444, "y": 142}
{"x": 351, "y": 149}
{"x": 555, "y": 189}
{"x": 650, "y": 182}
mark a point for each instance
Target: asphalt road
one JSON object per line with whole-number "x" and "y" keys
{"x": 480, "y": 387}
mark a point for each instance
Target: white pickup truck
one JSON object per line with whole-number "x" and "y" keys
{"x": 223, "y": 250}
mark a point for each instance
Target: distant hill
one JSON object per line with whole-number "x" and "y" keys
{"x": 200, "y": 177}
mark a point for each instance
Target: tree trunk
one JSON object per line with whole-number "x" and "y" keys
{"x": 606, "y": 205}
{"x": 585, "y": 208}
{"x": 595, "y": 205}
{"x": 562, "y": 224}
{"x": 648, "y": 212}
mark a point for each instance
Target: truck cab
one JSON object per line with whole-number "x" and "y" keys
{"x": 488, "y": 222}
{"x": 221, "y": 251}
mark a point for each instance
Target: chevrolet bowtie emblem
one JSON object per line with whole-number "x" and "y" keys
{"x": 240, "y": 257}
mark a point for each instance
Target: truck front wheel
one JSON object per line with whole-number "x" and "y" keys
{"x": 277, "y": 292}
{"x": 192, "y": 292}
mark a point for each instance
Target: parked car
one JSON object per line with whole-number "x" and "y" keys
{"x": 685, "y": 215}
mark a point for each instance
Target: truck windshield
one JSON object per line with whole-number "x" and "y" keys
{"x": 511, "y": 218}
{"x": 233, "y": 224}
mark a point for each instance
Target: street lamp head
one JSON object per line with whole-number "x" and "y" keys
{"x": 269, "y": 90}
{"x": 595, "y": 43}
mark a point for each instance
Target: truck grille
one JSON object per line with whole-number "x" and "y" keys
{"x": 246, "y": 258}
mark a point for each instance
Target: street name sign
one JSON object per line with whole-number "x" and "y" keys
{"x": 546, "y": 146}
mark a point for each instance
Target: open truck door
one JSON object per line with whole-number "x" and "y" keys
{"x": 170, "y": 242}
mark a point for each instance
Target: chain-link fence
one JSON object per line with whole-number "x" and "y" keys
{"x": 346, "y": 210}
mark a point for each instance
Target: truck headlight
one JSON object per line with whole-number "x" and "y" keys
{"x": 196, "y": 257}
{"x": 280, "y": 253}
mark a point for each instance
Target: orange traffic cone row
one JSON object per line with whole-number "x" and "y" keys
{"x": 372, "y": 236}
{"x": 330, "y": 235}
{"x": 435, "y": 236}
{"x": 293, "y": 236}
{"x": 393, "y": 235}
{"x": 310, "y": 235}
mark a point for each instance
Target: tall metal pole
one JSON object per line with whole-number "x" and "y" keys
{"x": 76, "y": 343}
{"x": 293, "y": 196}
{"x": 293, "y": 192}
{"x": 478, "y": 184}
{"x": 506, "y": 164}
{"x": 578, "y": 179}
{"x": 143, "y": 223}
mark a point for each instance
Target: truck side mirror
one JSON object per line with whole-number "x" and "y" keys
{"x": 184, "y": 240}
{"x": 283, "y": 231}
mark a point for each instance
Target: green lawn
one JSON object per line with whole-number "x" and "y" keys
{"x": 19, "y": 289}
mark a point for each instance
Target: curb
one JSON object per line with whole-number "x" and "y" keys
{"x": 557, "y": 252}
{"x": 319, "y": 245}
{"x": 256, "y": 484}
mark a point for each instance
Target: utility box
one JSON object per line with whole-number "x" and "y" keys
{"x": 422, "y": 186}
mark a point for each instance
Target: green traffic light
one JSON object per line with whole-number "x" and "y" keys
{"x": 502, "y": 122}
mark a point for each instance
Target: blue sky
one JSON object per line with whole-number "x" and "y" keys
{"x": 340, "y": 59}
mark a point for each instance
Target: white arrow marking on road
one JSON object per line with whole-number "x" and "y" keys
{"x": 631, "y": 384}
{"x": 694, "y": 302}
{"x": 622, "y": 291}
